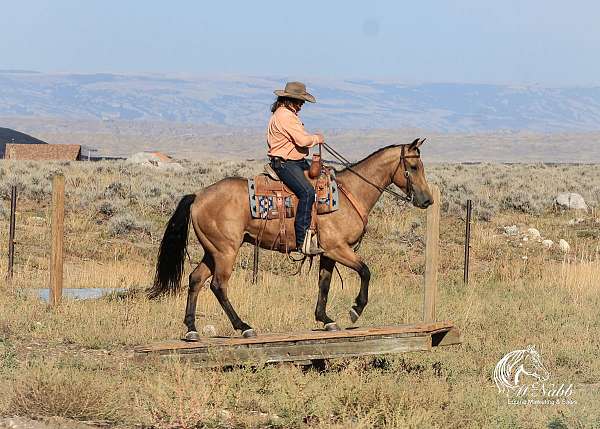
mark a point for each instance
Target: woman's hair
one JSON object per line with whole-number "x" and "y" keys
{"x": 288, "y": 102}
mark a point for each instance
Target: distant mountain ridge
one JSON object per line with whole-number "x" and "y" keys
{"x": 244, "y": 101}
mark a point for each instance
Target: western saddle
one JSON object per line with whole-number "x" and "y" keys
{"x": 271, "y": 199}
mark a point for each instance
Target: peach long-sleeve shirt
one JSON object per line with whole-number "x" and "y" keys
{"x": 287, "y": 137}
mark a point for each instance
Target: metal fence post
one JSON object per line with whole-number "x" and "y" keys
{"x": 467, "y": 241}
{"x": 11, "y": 231}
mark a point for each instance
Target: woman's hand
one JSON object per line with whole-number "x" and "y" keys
{"x": 321, "y": 138}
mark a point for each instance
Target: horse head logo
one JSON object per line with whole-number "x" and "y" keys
{"x": 511, "y": 369}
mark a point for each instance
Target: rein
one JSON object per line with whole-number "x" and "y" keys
{"x": 402, "y": 161}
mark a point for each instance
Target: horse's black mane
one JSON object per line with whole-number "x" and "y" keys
{"x": 370, "y": 155}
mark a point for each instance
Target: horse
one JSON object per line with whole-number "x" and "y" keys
{"x": 221, "y": 219}
{"x": 513, "y": 365}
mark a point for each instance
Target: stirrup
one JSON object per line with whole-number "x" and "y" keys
{"x": 310, "y": 246}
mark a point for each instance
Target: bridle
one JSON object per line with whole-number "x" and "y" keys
{"x": 409, "y": 183}
{"x": 402, "y": 161}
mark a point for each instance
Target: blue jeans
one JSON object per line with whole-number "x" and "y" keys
{"x": 292, "y": 174}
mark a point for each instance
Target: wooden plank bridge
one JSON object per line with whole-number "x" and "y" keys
{"x": 307, "y": 346}
{"x": 316, "y": 345}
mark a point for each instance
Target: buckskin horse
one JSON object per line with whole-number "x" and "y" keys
{"x": 220, "y": 216}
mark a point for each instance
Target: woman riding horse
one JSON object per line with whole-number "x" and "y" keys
{"x": 222, "y": 225}
{"x": 288, "y": 145}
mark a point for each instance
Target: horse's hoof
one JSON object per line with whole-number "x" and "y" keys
{"x": 353, "y": 315}
{"x": 332, "y": 327}
{"x": 192, "y": 336}
{"x": 249, "y": 333}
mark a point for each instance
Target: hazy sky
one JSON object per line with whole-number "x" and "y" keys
{"x": 502, "y": 41}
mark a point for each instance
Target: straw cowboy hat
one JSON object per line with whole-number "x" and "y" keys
{"x": 295, "y": 90}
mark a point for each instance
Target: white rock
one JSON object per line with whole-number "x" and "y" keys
{"x": 548, "y": 244}
{"x": 570, "y": 200}
{"x": 525, "y": 238}
{"x": 564, "y": 246}
{"x": 511, "y": 230}
{"x": 155, "y": 160}
{"x": 533, "y": 233}
{"x": 524, "y": 258}
{"x": 209, "y": 331}
{"x": 575, "y": 221}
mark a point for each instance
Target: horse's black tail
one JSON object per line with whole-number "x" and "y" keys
{"x": 171, "y": 256}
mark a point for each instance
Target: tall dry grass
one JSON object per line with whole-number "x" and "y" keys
{"x": 75, "y": 361}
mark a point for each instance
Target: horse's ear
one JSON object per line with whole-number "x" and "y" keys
{"x": 417, "y": 143}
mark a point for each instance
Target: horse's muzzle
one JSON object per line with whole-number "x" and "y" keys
{"x": 424, "y": 203}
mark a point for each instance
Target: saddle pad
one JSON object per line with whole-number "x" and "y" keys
{"x": 265, "y": 206}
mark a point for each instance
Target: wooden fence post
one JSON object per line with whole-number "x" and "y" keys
{"x": 56, "y": 252}
{"x": 431, "y": 255}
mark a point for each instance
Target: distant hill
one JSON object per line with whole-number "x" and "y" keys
{"x": 243, "y": 101}
{"x": 8, "y": 135}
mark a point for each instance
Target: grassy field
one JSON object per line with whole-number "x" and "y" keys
{"x": 75, "y": 361}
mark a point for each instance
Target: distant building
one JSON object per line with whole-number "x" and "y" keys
{"x": 43, "y": 152}
{"x": 10, "y": 136}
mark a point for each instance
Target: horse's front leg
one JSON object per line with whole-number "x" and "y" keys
{"x": 363, "y": 294}
{"x": 346, "y": 256}
{"x": 326, "y": 266}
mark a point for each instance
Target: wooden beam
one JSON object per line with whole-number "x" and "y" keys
{"x": 318, "y": 335}
{"x": 302, "y": 346}
{"x": 431, "y": 255}
{"x": 446, "y": 338}
{"x": 241, "y": 355}
{"x": 56, "y": 250}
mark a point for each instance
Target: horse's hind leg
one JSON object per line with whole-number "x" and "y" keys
{"x": 325, "y": 272}
{"x": 197, "y": 279}
{"x": 223, "y": 269}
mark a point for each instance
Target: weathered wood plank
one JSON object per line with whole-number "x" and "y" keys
{"x": 305, "y": 346}
{"x": 263, "y": 339}
{"x": 239, "y": 355}
{"x": 431, "y": 255}
{"x": 446, "y": 338}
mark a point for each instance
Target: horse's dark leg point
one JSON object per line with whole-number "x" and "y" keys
{"x": 248, "y": 333}
{"x": 363, "y": 295}
{"x": 325, "y": 271}
{"x": 219, "y": 288}
{"x": 192, "y": 336}
{"x": 332, "y": 327}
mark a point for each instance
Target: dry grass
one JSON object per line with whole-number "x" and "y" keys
{"x": 75, "y": 361}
